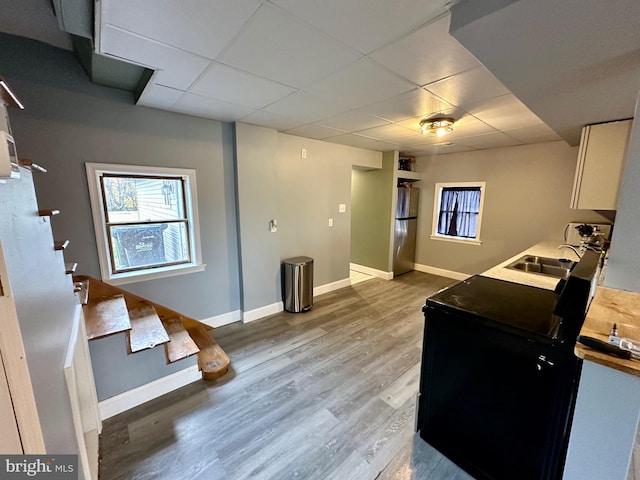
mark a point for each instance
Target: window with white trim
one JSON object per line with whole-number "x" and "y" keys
{"x": 146, "y": 221}
{"x": 457, "y": 212}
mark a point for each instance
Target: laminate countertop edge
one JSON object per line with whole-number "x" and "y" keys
{"x": 611, "y": 306}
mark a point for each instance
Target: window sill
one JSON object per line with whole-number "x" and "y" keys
{"x": 465, "y": 241}
{"x": 141, "y": 276}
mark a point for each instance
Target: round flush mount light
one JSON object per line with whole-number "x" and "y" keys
{"x": 439, "y": 126}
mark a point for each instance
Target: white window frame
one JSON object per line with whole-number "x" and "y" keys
{"x": 436, "y": 212}
{"x": 94, "y": 172}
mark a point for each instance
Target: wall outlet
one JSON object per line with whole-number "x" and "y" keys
{"x": 331, "y": 222}
{"x": 273, "y": 225}
{"x": 342, "y": 208}
{"x": 303, "y": 153}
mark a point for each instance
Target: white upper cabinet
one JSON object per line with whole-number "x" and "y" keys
{"x": 603, "y": 148}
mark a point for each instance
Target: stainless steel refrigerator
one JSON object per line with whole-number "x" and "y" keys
{"x": 404, "y": 238}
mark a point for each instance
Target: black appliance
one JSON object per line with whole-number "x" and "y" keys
{"x": 499, "y": 378}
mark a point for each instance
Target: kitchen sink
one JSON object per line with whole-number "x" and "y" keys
{"x": 552, "y": 267}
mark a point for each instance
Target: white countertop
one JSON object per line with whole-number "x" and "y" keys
{"x": 547, "y": 248}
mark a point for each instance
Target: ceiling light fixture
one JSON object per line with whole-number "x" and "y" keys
{"x": 439, "y": 125}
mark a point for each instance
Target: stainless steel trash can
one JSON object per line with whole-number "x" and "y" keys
{"x": 298, "y": 284}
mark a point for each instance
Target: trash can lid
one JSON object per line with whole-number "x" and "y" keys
{"x": 298, "y": 260}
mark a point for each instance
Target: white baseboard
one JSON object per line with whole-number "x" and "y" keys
{"x": 329, "y": 287}
{"x": 441, "y": 272}
{"x": 371, "y": 271}
{"x": 137, "y": 396}
{"x": 255, "y": 314}
{"x": 224, "y": 319}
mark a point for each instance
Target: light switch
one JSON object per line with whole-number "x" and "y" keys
{"x": 303, "y": 153}
{"x": 342, "y": 208}
{"x": 331, "y": 222}
{"x": 273, "y": 225}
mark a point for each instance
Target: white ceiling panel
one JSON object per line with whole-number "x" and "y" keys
{"x": 387, "y": 131}
{"x": 364, "y": 24}
{"x": 468, "y": 87}
{"x": 192, "y": 104}
{"x": 200, "y": 27}
{"x": 444, "y": 148}
{"x": 234, "y": 86}
{"x": 159, "y": 96}
{"x": 272, "y": 120}
{"x": 176, "y": 68}
{"x": 427, "y": 55}
{"x": 353, "y": 121}
{"x": 319, "y": 132}
{"x": 535, "y": 134}
{"x": 305, "y": 107}
{"x": 416, "y": 103}
{"x": 496, "y": 139}
{"x": 317, "y": 67}
{"x": 361, "y": 83}
{"x": 274, "y": 46}
{"x": 356, "y": 140}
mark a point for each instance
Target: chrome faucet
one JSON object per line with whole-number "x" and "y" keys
{"x": 579, "y": 252}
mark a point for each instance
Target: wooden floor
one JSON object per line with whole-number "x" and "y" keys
{"x": 326, "y": 394}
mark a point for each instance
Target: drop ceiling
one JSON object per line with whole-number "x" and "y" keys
{"x": 355, "y": 72}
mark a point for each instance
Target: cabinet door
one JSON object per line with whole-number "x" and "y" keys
{"x": 603, "y": 149}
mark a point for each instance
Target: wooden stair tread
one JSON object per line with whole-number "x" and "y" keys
{"x": 81, "y": 289}
{"x": 70, "y": 268}
{"x": 181, "y": 345}
{"x": 48, "y": 213}
{"x": 61, "y": 245}
{"x": 106, "y": 316}
{"x": 147, "y": 330}
{"x": 212, "y": 360}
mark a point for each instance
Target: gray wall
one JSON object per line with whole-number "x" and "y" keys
{"x": 371, "y": 192}
{"x": 624, "y": 256}
{"x": 274, "y": 182}
{"x": 528, "y": 190}
{"x": 45, "y": 305}
{"x": 69, "y": 121}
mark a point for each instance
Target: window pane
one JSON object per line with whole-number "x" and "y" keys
{"x": 139, "y": 199}
{"x": 143, "y": 246}
{"x": 459, "y": 209}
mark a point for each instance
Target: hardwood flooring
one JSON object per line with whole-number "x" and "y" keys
{"x": 325, "y": 394}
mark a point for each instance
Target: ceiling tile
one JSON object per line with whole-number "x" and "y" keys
{"x": 361, "y": 83}
{"x": 444, "y": 148}
{"x": 177, "y": 69}
{"x": 358, "y": 141}
{"x": 505, "y": 113}
{"x": 387, "y": 131}
{"x": 305, "y": 107}
{"x": 490, "y": 140}
{"x": 210, "y": 108}
{"x": 468, "y": 87}
{"x": 353, "y": 121}
{"x": 427, "y": 55}
{"x": 272, "y": 120}
{"x": 159, "y": 96}
{"x": 534, "y": 134}
{"x": 204, "y": 28}
{"x": 234, "y": 86}
{"x": 416, "y": 103}
{"x": 319, "y": 132}
{"x": 274, "y": 46}
{"x": 363, "y": 24}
